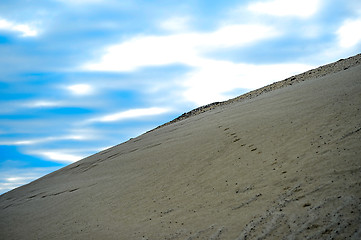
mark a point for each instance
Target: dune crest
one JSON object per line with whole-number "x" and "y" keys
{"x": 342, "y": 64}
{"x": 276, "y": 163}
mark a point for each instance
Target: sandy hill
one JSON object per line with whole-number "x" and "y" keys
{"x": 283, "y": 162}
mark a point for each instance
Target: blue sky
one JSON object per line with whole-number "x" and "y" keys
{"x": 78, "y": 76}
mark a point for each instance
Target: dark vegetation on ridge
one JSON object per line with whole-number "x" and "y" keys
{"x": 340, "y": 65}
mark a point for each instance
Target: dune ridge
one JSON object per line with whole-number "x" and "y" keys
{"x": 284, "y": 164}
{"x": 340, "y": 65}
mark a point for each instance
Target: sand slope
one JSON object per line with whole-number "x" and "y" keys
{"x": 283, "y": 165}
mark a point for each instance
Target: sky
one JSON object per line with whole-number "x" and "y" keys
{"x": 79, "y": 76}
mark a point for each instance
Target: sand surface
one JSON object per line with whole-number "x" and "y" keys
{"x": 284, "y": 164}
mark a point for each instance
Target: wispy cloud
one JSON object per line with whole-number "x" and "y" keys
{"x": 9, "y": 183}
{"x": 176, "y": 24}
{"x": 215, "y": 79}
{"x": 11, "y": 178}
{"x": 43, "y": 104}
{"x": 189, "y": 49}
{"x": 24, "y": 29}
{"x": 211, "y": 79}
{"x": 80, "y": 89}
{"x": 82, "y": 2}
{"x": 129, "y": 114}
{"x": 283, "y": 8}
{"x": 44, "y": 140}
{"x": 186, "y": 48}
{"x": 348, "y": 35}
{"x": 15, "y": 177}
{"x": 59, "y": 155}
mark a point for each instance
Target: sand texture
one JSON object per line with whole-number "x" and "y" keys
{"x": 283, "y": 164}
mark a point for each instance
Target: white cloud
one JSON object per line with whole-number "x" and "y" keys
{"x": 24, "y": 29}
{"x": 349, "y": 33}
{"x": 13, "y": 106}
{"x": 177, "y": 48}
{"x": 20, "y": 142}
{"x": 80, "y": 89}
{"x": 13, "y": 177}
{"x": 45, "y": 140}
{"x": 58, "y": 156}
{"x": 282, "y": 8}
{"x": 133, "y": 113}
{"x": 210, "y": 80}
{"x": 81, "y": 2}
{"x": 43, "y": 104}
{"x": 17, "y": 179}
{"x": 214, "y": 79}
{"x": 145, "y": 51}
{"x": 176, "y": 24}
{"x": 236, "y": 36}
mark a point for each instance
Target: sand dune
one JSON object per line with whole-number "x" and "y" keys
{"x": 280, "y": 163}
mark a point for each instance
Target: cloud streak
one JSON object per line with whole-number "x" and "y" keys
{"x": 186, "y": 48}
{"x": 215, "y": 79}
{"x": 130, "y": 114}
{"x": 285, "y": 8}
{"x": 80, "y": 89}
{"x": 347, "y": 35}
{"x": 24, "y": 29}
{"x": 176, "y": 24}
{"x": 44, "y": 104}
{"x": 11, "y": 178}
{"x": 58, "y": 156}
{"x": 44, "y": 140}
{"x": 191, "y": 49}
